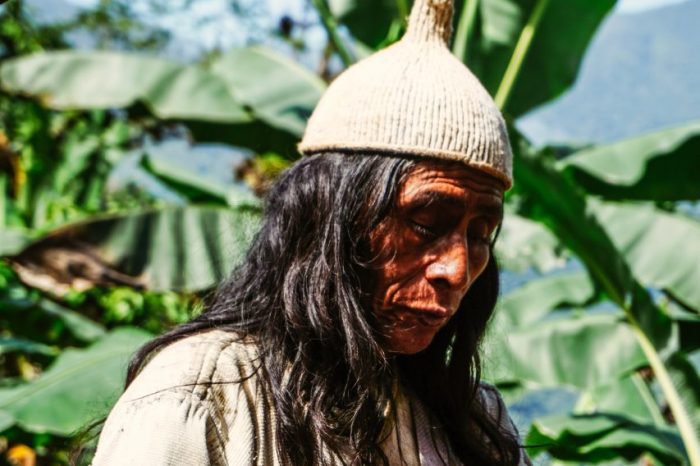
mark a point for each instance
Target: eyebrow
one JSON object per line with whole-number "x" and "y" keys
{"x": 424, "y": 199}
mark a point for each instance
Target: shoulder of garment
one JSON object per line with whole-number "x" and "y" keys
{"x": 186, "y": 405}
{"x": 198, "y": 402}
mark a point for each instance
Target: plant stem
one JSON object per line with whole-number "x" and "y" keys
{"x": 519, "y": 54}
{"x": 680, "y": 414}
{"x": 331, "y": 27}
{"x": 465, "y": 28}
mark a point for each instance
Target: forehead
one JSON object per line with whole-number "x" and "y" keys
{"x": 459, "y": 182}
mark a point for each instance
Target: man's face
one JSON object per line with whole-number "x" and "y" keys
{"x": 431, "y": 250}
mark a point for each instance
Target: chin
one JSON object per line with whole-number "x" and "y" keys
{"x": 409, "y": 344}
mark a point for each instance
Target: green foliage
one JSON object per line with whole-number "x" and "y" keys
{"x": 552, "y": 60}
{"x": 277, "y": 90}
{"x": 99, "y": 80}
{"x": 583, "y": 351}
{"x": 77, "y": 388}
{"x": 20, "y": 35}
{"x": 649, "y": 239}
{"x": 660, "y": 166}
{"x": 534, "y": 300}
{"x": 602, "y": 437}
{"x": 370, "y": 21}
{"x": 523, "y": 244}
{"x": 621, "y": 332}
{"x": 187, "y": 249}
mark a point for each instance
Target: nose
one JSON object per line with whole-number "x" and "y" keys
{"x": 450, "y": 267}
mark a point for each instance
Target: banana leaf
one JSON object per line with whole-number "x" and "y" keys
{"x": 660, "y": 166}
{"x": 184, "y": 249}
{"x": 600, "y": 437}
{"x": 79, "y": 387}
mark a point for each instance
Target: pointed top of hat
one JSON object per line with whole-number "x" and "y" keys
{"x": 430, "y": 21}
{"x": 413, "y": 98}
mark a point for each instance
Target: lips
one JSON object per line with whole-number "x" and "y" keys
{"x": 425, "y": 316}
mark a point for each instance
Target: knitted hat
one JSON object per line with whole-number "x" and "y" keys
{"x": 416, "y": 98}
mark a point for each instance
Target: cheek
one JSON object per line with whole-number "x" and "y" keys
{"x": 395, "y": 261}
{"x": 478, "y": 259}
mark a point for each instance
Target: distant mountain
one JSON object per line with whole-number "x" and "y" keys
{"x": 641, "y": 72}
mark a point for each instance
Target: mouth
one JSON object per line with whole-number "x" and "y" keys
{"x": 425, "y": 316}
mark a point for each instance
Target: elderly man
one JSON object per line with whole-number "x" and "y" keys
{"x": 350, "y": 333}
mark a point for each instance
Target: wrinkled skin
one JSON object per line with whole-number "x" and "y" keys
{"x": 431, "y": 249}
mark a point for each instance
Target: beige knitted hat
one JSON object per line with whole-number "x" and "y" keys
{"x": 414, "y": 97}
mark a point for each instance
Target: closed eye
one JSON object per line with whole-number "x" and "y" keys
{"x": 426, "y": 231}
{"x": 483, "y": 230}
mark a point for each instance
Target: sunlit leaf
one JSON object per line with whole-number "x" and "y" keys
{"x": 97, "y": 79}
{"x": 662, "y": 248}
{"x": 196, "y": 185}
{"x": 78, "y": 388}
{"x": 581, "y": 351}
{"x": 189, "y": 248}
{"x": 555, "y": 201}
{"x": 278, "y": 90}
{"x": 538, "y": 297}
{"x": 630, "y": 395}
{"x": 568, "y": 213}
{"x": 663, "y": 165}
{"x": 524, "y": 244}
{"x": 6, "y": 421}
{"x": 12, "y": 240}
{"x": 603, "y": 437}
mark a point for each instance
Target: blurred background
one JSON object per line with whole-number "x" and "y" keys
{"x": 138, "y": 138}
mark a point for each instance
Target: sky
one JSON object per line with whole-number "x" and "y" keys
{"x": 632, "y": 6}
{"x": 209, "y": 23}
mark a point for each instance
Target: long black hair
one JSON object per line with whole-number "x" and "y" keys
{"x": 300, "y": 292}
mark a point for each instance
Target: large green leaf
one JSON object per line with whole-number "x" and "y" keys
{"x": 550, "y": 66}
{"x": 6, "y": 421}
{"x": 85, "y": 80}
{"x": 555, "y": 201}
{"x": 664, "y": 165}
{"x": 581, "y": 351}
{"x": 197, "y": 186}
{"x": 663, "y": 249}
{"x": 550, "y": 198}
{"x": 11, "y": 345}
{"x": 537, "y": 298}
{"x": 630, "y": 395}
{"x": 12, "y": 240}
{"x": 554, "y": 56}
{"x": 602, "y": 437}
{"x": 191, "y": 94}
{"x": 78, "y": 388}
{"x": 278, "y": 90}
{"x": 34, "y": 317}
{"x": 523, "y": 244}
{"x": 80, "y": 326}
{"x": 188, "y": 248}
